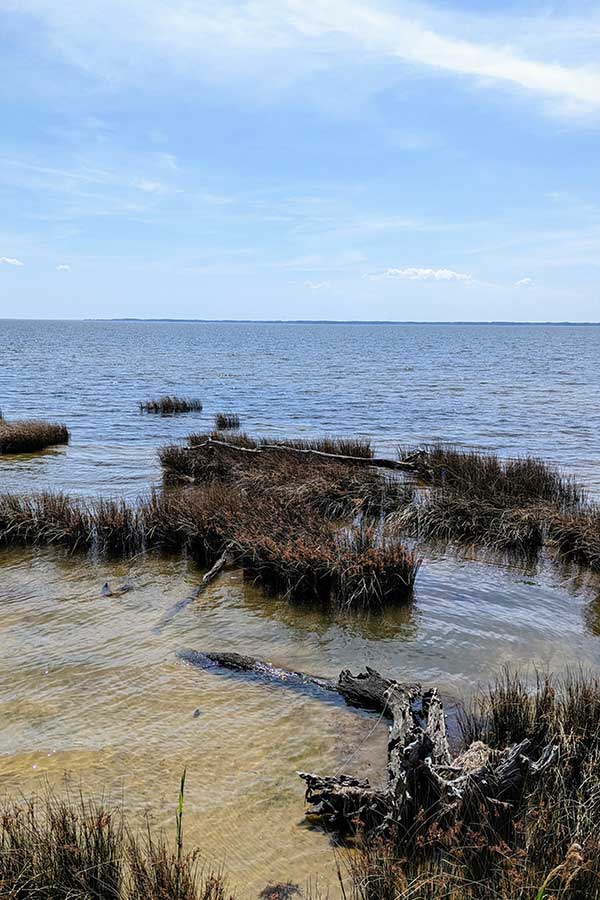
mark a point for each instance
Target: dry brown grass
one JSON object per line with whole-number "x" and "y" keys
{"x": 504, "y": 483}
{"x": 30, "y": 435}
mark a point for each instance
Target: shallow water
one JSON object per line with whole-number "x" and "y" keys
{"x": 91, "y": 696}
{"x": 87, "y": 689}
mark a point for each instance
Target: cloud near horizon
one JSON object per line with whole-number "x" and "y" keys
{"x": 416, "y": 274}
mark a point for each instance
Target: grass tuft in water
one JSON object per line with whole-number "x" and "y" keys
{"x": 170, "y": 405}
{"x": 30, "y": 435}
{"x": 227, "y": 421}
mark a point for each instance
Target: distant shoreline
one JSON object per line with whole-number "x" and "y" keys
{"x": 311, "y": 322}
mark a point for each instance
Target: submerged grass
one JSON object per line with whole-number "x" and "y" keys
{"x": 30, "y": 435}
{"x": 543, "y": 845}
{"x": 54, "y": 849}
{"x": 171, "y": 405}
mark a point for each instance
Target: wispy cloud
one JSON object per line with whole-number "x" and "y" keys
{"x": 10, "y": 261}
{"x": 63, "y": 268}
{"x": 524, "y": 283}
{"x": 416, "y": 274}
{"x": 194, "y": 38}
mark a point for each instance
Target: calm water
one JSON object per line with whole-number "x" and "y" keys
{"x": 91, "y": 696}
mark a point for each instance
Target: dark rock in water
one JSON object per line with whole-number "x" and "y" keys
{"x": 197, "y": 713}
{"x": 282, "y": 891}
{"x": 118, "y": 592}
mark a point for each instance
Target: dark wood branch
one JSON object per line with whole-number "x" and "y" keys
{"x": 207, "y": 579}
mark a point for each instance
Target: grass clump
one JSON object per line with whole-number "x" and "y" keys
{"x": 170, "y": 405}
{"x": 30, "y": 435}
{"x": 510, "y": 482}
{"x": 576, "y": 535}
{"x": 227, "y": 421}
{"x": 541, "y": 845}
{"x": 63, "y": 850}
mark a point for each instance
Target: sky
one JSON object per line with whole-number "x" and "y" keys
{"x": 300, "y": 159}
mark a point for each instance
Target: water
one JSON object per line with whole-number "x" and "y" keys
{"x": 91, "y": 697}
{"x": 512, "y": 389}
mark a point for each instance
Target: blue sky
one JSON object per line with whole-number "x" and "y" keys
{"x": 300, "y": 159}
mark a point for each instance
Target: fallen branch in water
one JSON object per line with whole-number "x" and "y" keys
{"x": 423, "y": 779}
{"x": 207, "y": 579}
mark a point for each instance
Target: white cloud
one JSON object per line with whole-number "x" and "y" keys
{"x": 416, "y": 274}
{"x": 525, "y": 283}
{"x": 317, "y": 285}
{"x": 63, "y": 268}
{"x": 10, "y": 261}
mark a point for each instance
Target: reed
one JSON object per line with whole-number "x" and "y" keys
{"x": 171, "y": 405}
{"x": 59, "y": 849}
{"x": 227, "y": 421}
{"x": 542, "y": 845}
{"x": 510, "y": 482}
{"x": 30, "y": 436}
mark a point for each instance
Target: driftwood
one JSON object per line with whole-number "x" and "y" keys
{"x": 423, "y": 781}
{"x": 377, "y": 462}
{"x": 207, "y": 579}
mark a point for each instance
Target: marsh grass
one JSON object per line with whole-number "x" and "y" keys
{"x": 227, "y": 421}
{"x": 543, "y": 845}
{"x": 30, "y": 435}
{"x": 60, "y": 849}
{"x": 503, "y": 482}
{"x": 333, "y": 445}
{"x": 171, "y": 405}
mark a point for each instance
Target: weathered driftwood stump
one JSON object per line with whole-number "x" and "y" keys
{"x": 423, "y": 781}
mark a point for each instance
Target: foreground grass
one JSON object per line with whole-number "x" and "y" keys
{"x": 543, "y": 844}
{"x": 30, "y": 435}
{"x": 60, "y": 850}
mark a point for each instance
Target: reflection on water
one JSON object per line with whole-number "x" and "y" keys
{"x": 87, "y": 688}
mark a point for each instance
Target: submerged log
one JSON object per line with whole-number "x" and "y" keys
{"x": 423, "y": 781}
{"x": 207, "y": 579}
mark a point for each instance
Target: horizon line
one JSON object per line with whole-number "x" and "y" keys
{"x": 158, "y": 320}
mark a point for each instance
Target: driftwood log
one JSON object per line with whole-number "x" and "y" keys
{"x": 207, "y": 579}
{"x": 406, "y": 465}
{"x": 423, "y": 780}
